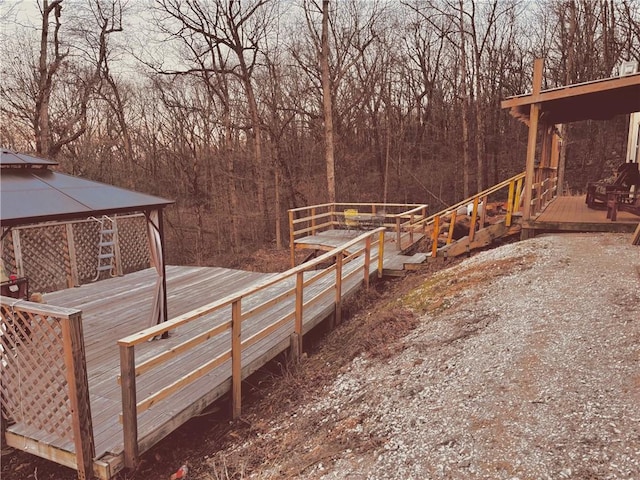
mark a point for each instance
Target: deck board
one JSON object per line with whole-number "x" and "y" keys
{"x": 572, "y": 214}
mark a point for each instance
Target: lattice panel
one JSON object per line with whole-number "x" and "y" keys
{"x": 134, "y": 243}
{"x": 34, "y": 389}
{"x": 8, "y": 255}
{"x": 86, "y": 236}
{"x": 45, "y": 257}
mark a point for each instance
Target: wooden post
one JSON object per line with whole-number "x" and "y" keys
{"x": 165, "y": 313}
{"x": 555, "y": 161}
{"x": 80, "y": 405}
{"x": 474, "y": 219}
{"x": 483, "y": 214}
{"x": 236, "y": 358}
{"x": 561, "y": 160}
{"x": 543, "y": 172}
{"x": 73, "y": 280}
{"x": 292, "y": 245}
{"x": 338, "y": 298}
{"x": 367, "y": 261}
{"x": 129, "y": 407}
{"x": 532, "y": 139}
{"x": 635, "y": 240}
{"x": 411, "y": 229}
{"x": 313, "y": 221}
{"x": 434, "y": 236}
{"x": 512, "y": 188}
{"x": 296, "y": 339}
{"x": 516, "y": 202}
{"x": 381, "y": 254}
{"x": 116, "y": 248}
{"x": 17, "y": 251}
{"x": 452, "y": 226}
{"x": 398, "y": 233}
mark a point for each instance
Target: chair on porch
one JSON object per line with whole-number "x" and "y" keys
{"x": 627, "y": 177}
{"x": 622, "y": 201}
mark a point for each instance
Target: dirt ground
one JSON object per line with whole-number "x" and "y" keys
{"x": 520, "y": 362}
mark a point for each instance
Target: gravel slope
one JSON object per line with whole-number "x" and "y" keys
{"x": 525, "y": 364}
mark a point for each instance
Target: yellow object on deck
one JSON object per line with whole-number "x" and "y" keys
{"x": 350, "y": 218}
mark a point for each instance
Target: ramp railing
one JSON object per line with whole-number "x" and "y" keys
{"x": 232, "y": 335}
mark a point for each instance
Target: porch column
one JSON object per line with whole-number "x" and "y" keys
{"x": 559, "y": 153}
{"x": 531, "y": 145}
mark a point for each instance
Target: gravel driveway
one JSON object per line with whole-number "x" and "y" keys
{"x": 524, "y": 365}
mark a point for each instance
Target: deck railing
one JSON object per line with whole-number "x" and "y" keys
{"x": 401, "y": 218}
{"x": 544, "y": 188}
{"x": 303, "y": 288}
{"x": 44, "y": 380}
{"x": 478, "y": 215}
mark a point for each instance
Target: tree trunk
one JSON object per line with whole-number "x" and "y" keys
{"x": 466, "y": 157}
{"x": 326, "y": 103}
{"x": 45, "y": 73}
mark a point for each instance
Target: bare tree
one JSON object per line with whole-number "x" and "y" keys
{"x": 238, "y": 28}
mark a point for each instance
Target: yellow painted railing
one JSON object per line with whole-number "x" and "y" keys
{"x": 294, "y": 294}
{"x": 514, "y": 184}
{"x": 401, "y": 218}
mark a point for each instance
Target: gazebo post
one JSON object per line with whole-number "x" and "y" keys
{"x": 164, "y": 271}
{"x": 156, "y": 250}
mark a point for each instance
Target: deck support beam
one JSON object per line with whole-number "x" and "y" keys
{"x": 236, "y": 358}
{"x": 296, "y": 336}
{"x": 338, "y": 300}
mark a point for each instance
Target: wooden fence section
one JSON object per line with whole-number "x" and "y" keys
{"x": 401, "y": 218}
{"x": 235, "y": 344}
{"x": 60, "y": 255}
{"x": 44, "y": 380}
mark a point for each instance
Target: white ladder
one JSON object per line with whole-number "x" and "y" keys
{"x": 106, "y": 247}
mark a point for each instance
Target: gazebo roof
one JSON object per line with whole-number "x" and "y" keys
{"x": 31, "y": 193}
{"x": 596, "y": 100}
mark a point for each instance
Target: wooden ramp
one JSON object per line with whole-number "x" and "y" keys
{"x": 121, "y": 307}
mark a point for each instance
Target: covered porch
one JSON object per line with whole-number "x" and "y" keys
{"x": 546, "y": 205}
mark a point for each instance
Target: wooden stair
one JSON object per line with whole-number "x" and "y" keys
{"x": 482, "y": 238}
{"x": 399, "y": 264}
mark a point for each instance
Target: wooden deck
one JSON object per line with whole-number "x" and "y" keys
{"x": 572, "y": 214}
{"x": 115, "y": 308}
{"x": 118, "y": 307}
{"x": 394, "y": 260}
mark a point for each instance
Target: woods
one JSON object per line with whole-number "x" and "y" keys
{"x": 242, "y": 110}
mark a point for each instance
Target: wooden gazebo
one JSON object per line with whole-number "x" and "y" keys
{"x": 42, "y": 351}
{"x": 32, "y": 193}
{"x": 544, "y": 111}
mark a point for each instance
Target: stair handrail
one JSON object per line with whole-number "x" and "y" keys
{"x": 515, "y": 187}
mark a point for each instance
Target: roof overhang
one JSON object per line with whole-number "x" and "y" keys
{"x": 597, "y": 100}
{"x": 32, "y": 193}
